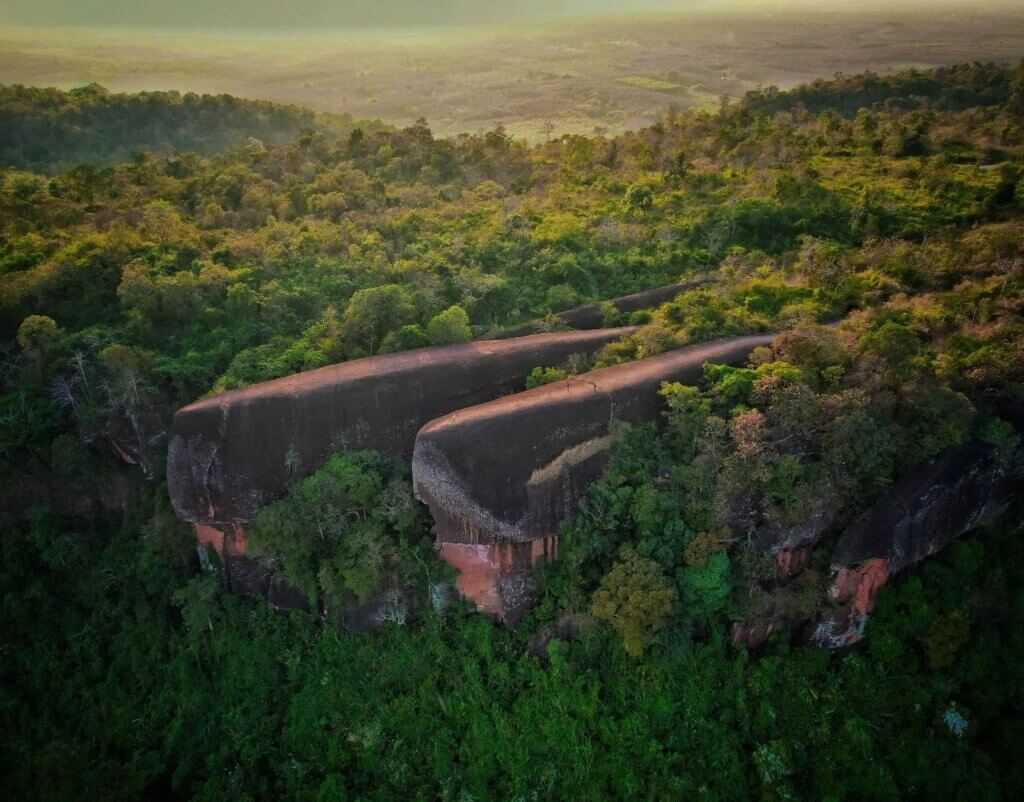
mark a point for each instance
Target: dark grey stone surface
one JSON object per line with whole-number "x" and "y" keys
{"x": 232, "y": 454}
{"x": 590, "y": 316}
{"x": 960, "y": 490}
{"x": 513, "y": 469}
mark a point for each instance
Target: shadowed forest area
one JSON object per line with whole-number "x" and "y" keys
{"x": 159, "y": 247}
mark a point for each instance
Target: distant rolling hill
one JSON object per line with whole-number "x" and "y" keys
{"x": 47, "y": 130}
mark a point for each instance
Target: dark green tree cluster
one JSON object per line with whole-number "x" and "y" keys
{"x": 84, "y": 129}
{"x": 128, "y": 675}
{"x": 346, "y": 531}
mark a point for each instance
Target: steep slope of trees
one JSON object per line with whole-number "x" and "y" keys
{"x": 126, "y": 291}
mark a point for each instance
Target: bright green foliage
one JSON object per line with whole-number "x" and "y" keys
{"x": 636, "y": 599}
{"x": 704, "y": 589}
{"x": 38, "y": 333}
{"x": 405, "y": 339}
{"x": 449, "y": 326}
{"x": 540, "y": 375}
{"x": 373, "y": 313}
{"x": 339, "y": 532}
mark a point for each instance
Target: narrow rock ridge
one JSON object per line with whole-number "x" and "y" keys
{"x": 515, "y": 467}
{"x": 232, "y": 454}
{"x": 591, "y": 316}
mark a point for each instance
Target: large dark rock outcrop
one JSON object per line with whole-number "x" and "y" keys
{"x": 231, "y": 454}
{"x": 591, "y": 316}
{"x": 963, "y": 489}
{"x": 514, "y": 468}
{"x": 501, "y": 477}
{"x": 960, "y": 490}
{"x": 136, "y": 439}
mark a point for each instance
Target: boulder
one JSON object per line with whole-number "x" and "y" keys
{"x": 591, "y": 316}
{"x": 774, "y": 537}
{"x": 512, "y": 470}
{"x": 790, "y": 563}
{"x": 960, "y": 490}
{"x": 963, "y": 489}
{"x": 231, "y": 454}
{"x": 136, "y": 439}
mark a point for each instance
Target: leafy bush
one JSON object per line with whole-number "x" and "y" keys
{"x": 341, "y": 531}
{"x": 636, "y": 599}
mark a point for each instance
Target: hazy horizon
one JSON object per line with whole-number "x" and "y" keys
{"x": 599, "y": 66}
{"x": 257, "y": 14}
{"x": 269, "y": 15}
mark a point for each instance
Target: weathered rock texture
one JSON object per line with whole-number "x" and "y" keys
{"x": 512, "y": 470}
{"x": 961, "y": 490}
{"x": 136, "y": 439}
{"x": 776, "y": 538}
{"x": 232, "y": 454}
{"x": 498, "y": 576}
{"x": 591, "y": 316}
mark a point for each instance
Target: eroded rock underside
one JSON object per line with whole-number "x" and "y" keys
{"x": 512, "y": 470}
{"x": 501, "y": 470}
{"x": 963, "y": 489}
{"x": 232, "y": 454}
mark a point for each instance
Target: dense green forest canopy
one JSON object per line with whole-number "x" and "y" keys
{"x": 896, "y": 203}
{"x": 48, "y": 130}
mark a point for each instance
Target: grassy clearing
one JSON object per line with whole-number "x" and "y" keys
{"x": 654, "y": 84}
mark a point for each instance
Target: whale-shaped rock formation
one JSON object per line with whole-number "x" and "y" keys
{"x": 501, "y": 477}
{"x": 591, "y": 316}
{"x": 231, "y": 454}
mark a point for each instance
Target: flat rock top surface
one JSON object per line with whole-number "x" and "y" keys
{"x": 435, "y": 357}
{"x": 604, "y": 380}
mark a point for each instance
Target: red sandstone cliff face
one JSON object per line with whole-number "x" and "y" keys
{"x": 962, "y": 489}
{"x": 497, "y": 577}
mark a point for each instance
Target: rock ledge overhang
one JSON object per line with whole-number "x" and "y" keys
{"x": 591, "y": 316}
